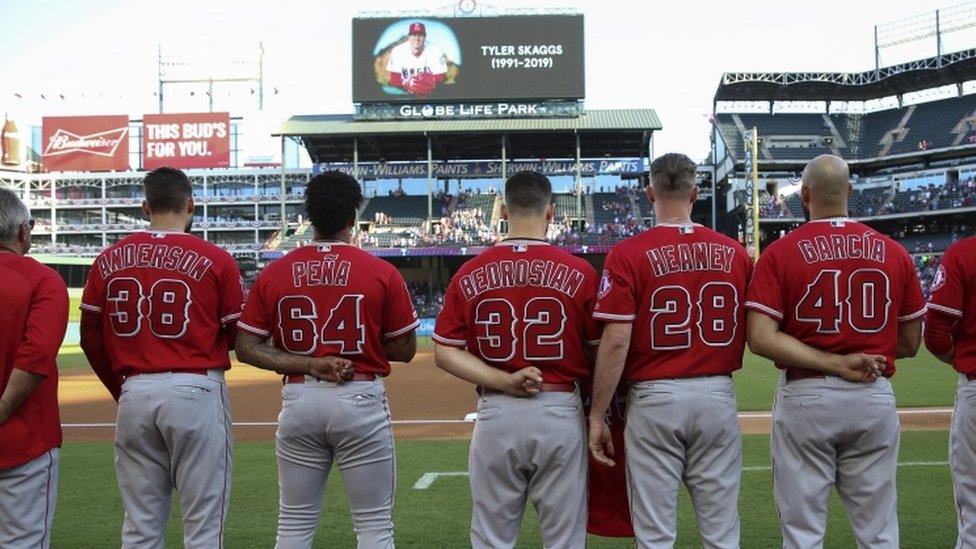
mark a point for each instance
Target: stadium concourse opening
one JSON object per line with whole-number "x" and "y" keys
{"x": 434, "y": 232}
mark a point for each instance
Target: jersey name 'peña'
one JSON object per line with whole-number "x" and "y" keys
{"x": 325, "y": 272}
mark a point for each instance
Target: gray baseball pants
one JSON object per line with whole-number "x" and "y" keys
{"x": 962, "y": 461}
{"x": 27, "y": 495}
{"x": 684, "y": 430}
{"x": 529, "y": 447}
{"x": 174, "y": 431}
{"x": 830, "y": 432}
{"x": 322, "y": 422}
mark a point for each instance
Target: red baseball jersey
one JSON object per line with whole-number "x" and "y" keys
{"x": 523, "y": 303}
{"x": 608, "y": 502}
{"x": 164, "y": 298}
{"x": 32, "y": 326}
{"x": 331, "y": 299}
{"x": 954, "y": 294}
{"x": 838, "y": 286}
{"x": 682, "y": 287}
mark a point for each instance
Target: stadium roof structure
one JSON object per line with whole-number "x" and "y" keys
{"x": 941, "y": 70}
{"x": 602, "y": 133}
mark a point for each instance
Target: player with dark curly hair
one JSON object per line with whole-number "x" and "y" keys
{"x": 330, "y": 317}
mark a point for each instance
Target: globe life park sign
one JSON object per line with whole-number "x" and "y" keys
{"x": 469, "y": 110}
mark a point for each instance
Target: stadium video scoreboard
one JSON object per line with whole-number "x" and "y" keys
{"x": 476, "y": 63}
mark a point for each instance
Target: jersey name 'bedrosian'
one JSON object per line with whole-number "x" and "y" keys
{"x": 521, "y": 273}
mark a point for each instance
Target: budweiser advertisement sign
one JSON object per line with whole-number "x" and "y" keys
{"x": 86, "y": 143}
{"x": 188, "y": 140}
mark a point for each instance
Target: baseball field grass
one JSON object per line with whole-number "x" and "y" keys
{"x": 89, "y": 512}
{"x": 920, "y": 381}
{"x": 74, "y": 299}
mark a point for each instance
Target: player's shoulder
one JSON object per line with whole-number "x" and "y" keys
{"x": 362, "y": 257}
{"x": 963, "y": 249}
{"x": 715, "y": 236}
{"x": 787, "y": 243}
{"x": 571, "y": 260}
{"x": 201, "y": 245}
{"x": 37, "y": 272}
{"x": 635, "y": 244}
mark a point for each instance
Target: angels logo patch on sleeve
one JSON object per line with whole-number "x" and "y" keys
{"x": 605, "y": 285}
{"x": 940, "y": 278}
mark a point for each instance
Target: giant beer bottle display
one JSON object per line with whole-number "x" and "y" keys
{"x": 10, "y": 142}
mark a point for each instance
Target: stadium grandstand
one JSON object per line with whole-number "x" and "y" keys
{"x": 433, "y": 183}
{"x": 908, "y": 133}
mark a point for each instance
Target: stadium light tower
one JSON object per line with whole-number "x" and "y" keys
{"x": 228, "y": 63}
{"x": 920, "y": 28}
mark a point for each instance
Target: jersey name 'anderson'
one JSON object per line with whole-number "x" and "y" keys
{"x": 842, "y": 246}
{"x": 519, "y": 274}
{"x": 156, "y": 256}
{"x": 697, "y": 256}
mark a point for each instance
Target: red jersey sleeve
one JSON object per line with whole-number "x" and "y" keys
{"x": 765, "y": 294}
{"x": 451, "y": 328}
{"x": 948, "y": 287}
{"x": 93, "y": 296}
{"x": 912, "y": 301}
{"x": 256, "y": 318}
{"x": 592, "y": 328}
{"x": 399, "y": 317}
{"x": 616, "y": 295}
{"x": 231, "y": 293}
{"x": 46, "y": 324}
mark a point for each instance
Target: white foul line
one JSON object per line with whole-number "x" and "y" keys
{"x": 275, "y": 423}
{"x": 903, "y": 412}
{"x": 427, "y": 479}
{"x": 902, "y": 464}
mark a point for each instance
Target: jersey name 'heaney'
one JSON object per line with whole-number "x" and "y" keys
{"x": 842, "y": 246}
{"x": 697, "y": 256}
{"x": 511, "y": 274}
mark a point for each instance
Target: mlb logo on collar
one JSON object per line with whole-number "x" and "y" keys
{"x": 520, "y": 248}
{"x": 686, "y": 229}
{"x": 837, "y": 223}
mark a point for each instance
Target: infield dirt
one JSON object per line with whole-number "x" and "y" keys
{"x": 425, "y": 403}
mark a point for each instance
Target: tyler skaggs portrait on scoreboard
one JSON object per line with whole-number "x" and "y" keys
{"x": 416, "y": 57}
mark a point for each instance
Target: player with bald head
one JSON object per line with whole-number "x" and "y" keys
{"x": 833, "y": 304}
{"x": 671, "y": 300}
{"x": 826, "y": 185}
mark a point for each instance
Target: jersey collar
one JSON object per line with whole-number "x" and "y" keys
{"x": 831, "y": 219}
{"x": 162, "y": 231}
{"x": 523, "y": 241}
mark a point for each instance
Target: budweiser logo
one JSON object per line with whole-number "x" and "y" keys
{"x": 98, "y": 144}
